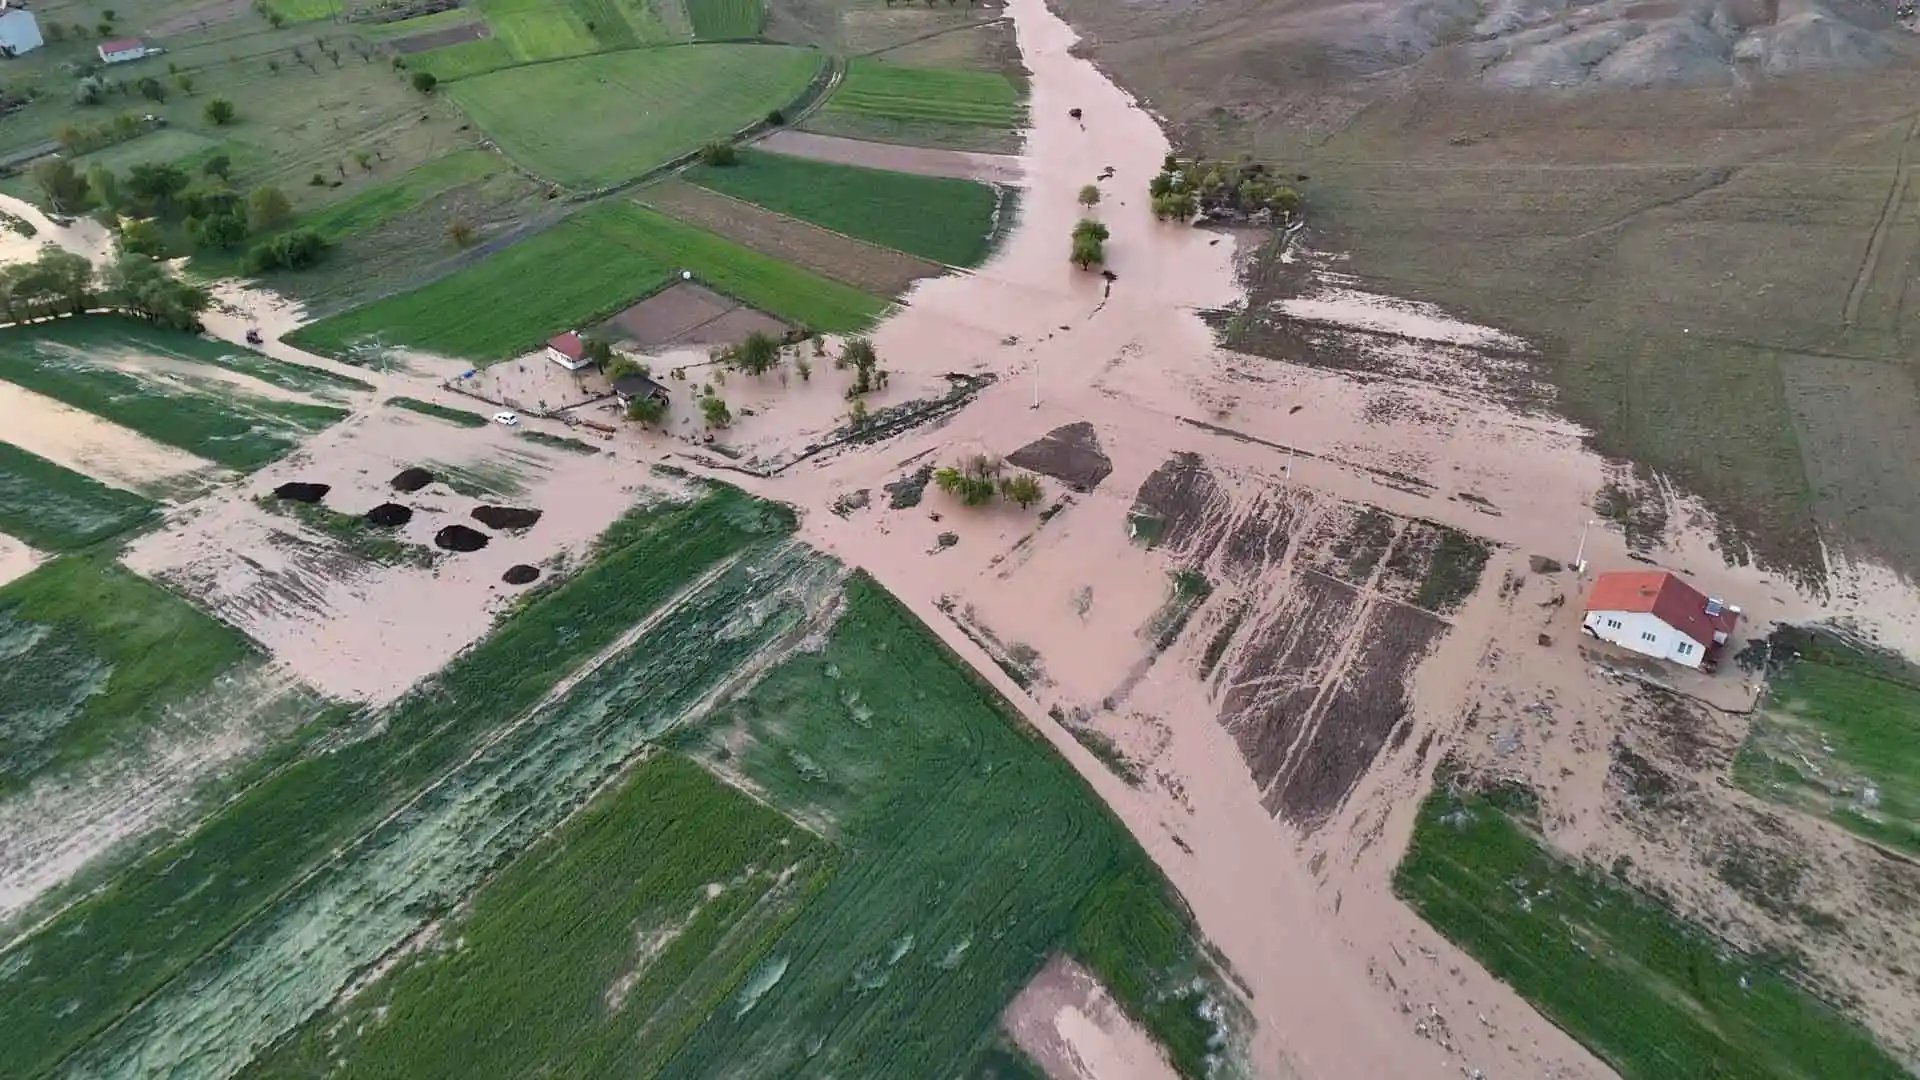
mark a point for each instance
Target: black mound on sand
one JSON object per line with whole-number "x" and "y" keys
{"x": 389, "y": 515}
{"x": 412, "y": 479}
{"x": 306, "y": 493}
{"x": 520, "y": 575}
{"x": 505, "y": 517}
{"x": 460, "y": 538}
{"x": 1069, "y": 454}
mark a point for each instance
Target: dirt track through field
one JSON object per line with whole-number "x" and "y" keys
{"x": 877, "y": 270}
{"x": 920, "y": 160}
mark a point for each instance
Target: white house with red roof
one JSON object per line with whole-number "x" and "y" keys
{"x": 1655, "y": 613}
{"x": 568, "y": 350}
{"x": 121, "y": 50}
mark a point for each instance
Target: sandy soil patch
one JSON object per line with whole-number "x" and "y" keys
{"x": 878, "y": 270}
{"x": 436, "y": 39}
{"x": 1071, "y": 1028}
{"x": 685, "y": 315}
{"x": 361, "y": 628}
{"x": 532, "y": 383}
{"x": 107, "y": 452}
{"x": 920, "y": 160}
{"x": 16, "y": 559}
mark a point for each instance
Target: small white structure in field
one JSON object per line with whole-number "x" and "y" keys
{"x": 19, "y": 30}
{"x": 121, "y": 50}
{"x": 569, "y": 351}
{"x": 1655, "y": 613}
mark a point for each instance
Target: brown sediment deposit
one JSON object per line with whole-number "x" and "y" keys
{"x": 1070, "y": 454}
{"x": 521, "y": 574}
{"x": 505, "y": 517}
{"x": 686, "y": 315}
{"x": 1067, "y": 1023}
{"x": 459, "y": 538}
{"x": 389, "y": 515}
{"x": 411, "y": 479}
{"x": 297, "y": 491}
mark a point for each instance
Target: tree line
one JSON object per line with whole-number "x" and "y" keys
{"x": 59, "y": 282}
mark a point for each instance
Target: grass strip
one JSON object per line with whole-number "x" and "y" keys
{"x": 58, "y": 510}
{"x": 1649, "y": 993}
{"x": 559, "y": 442}
{"x": 457, "y": 417}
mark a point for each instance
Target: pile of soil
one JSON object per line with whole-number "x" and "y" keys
{"x": 389, "y": 515}
{"x": 505, "y": 517}
{"x": 306, "y": 493}
{"x": 1070, "y": 454}
{"x": 460, "y": 538}
{"x": 412, "y": 479}
{"x": 520, "y": 575}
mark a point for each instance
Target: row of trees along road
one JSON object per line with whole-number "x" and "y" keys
{"x": 62, "y": 283}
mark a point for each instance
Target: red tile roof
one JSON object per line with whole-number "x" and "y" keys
{"x": 125, "y": 44}
{"x": 1663, "y": 596}
{"x": 568, "y": 345}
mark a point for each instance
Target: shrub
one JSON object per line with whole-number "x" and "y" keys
{"x": 650, "y": 411}
{"x": 719, "y": 153}
{"x": 1089, "y": 243}
{"x": 220, "y": 112}
{"x": 714, "y": 410}
{"x": 424, "y": 81}
{"x": 292, "y": 251}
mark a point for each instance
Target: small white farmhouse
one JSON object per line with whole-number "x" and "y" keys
{"x": 1654, "y": 612}
{"x": 121, "y": 50}
{"x": 19, "y": 31}
{"x": 568, "y": 350}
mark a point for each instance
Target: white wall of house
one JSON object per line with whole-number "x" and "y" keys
{"x": 19, "y": 32}
{"x": 1643, "y": 633}
{"x": 123, "y": 55}
{"x": 567, "y": 362}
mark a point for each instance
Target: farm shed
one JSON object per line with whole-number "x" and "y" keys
{"x": 635, "y": 386}
{"x": 121, "y": 50}
{"x": 1655, "y": 613}
{"x": 569, "y": 351}
{"x": 19, "y": 31}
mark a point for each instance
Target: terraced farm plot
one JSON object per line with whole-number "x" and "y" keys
{"x": 56, "y": 509}
{"x": 91, "y": 653}
{"x": 1652, "y": 996}
{"x": 419, "y": 24}
{"x": 580, "y": 272}
{"x": 721, "y": 20}
{"x": 606, "y": 119}
{"x": 948, "y": 221}
{"x": 868, "y": 267}
{"x": 372, "y": 207}
{"x": 1839, "y": 736}
{"x": 129, "y": 373}
{"x": 969, "y": 110}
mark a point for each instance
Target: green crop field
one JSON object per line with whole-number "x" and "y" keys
{"x": 606, "y": 119}
{"x": 1653, "y": 996}
{"x": 92, "y": 653}
{"x": 1838, "y": 735}
{"x": 71, "y": 360}
{"x": 579, "y": 272}
{"x": 934, "y": 106}
{"x": 305, "y": 10}
{"x": 419, "y": 24}
{"x": 715, "y": 20}
{"x": 456, "y": 417}
{"x": 56, "y": 509}
{"x": 949, "y": 221}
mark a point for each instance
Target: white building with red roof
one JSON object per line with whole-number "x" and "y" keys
{"x": 569, "y": 350}
{"x": 121, "y": 50}
{"x": 1655, "y": 613}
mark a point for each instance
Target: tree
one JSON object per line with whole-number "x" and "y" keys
{"x": 276, "y": 20}
{"x": 151, "y": 89}
{"x": 142, "y": 237}
{"x": 56, "y": 282}
{"x": 144, "y": 288}
{"x": 858, "y": 414}
{"x": 714, "y": 410}
{"x": 364, "y": 160}
{"x": 804, "y": 368}
{"x": 219, "y": 165}
{"x": 220, "y": 112}
{"x": 651, "y": 410}
{"x": 64, "y": 189}
{"x": 89, "y": 91}
{"x": 268, "y": 207}
{"x": 288, "y": 251}
{"x": 972, "y": 481}
{"x": 185, "y": 82}
{"x": 1089, "y": 196}
{"x": 1089, "y": 243}
{"x": 1023, "y": 489}
{"x": 220, "y": 232}
{"x": 858, "y": 354}
{"x": 719, "y": 154}
{"x": 600, "y": 352}
{"x": 757, "y": 355}
{"x": 156, "y": 183}
{"x": 80, "y": 31}
{"x": 103, "y": 28}
{"x": 424, "y": 81}
{"x": 460, "y": 232}
{"x": 103, "y": 187}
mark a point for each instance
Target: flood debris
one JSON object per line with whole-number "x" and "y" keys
{"x": 505, "y": 517}
{"x": 389, "y": 515}
{"x": 412, "y": 479}
{"x": 299, "y": 492}
{"x": 459, "y": 538}
{"x": 520, "y": 574}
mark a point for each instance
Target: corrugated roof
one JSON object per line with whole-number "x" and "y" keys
{"x": 568, "y": 345}
{"x": 122, "y": 45}
{"x": 1665, "y": 597}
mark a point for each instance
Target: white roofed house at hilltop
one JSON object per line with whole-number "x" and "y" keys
{"x": 1655, "y": 613}
{"x": 19, "y": 30}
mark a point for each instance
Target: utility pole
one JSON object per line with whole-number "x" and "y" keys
{"x": 1036, "y": 382}
{"x": 1579, "y": 556}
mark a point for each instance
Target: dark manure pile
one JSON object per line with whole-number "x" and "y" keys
{"x": 520, "y": 575}
{"x": 412, "y": 479}
{"x": 389, "y": 515}
{"x": 306, "y": 493}
{"x": 460, "y": 538}
{"x": 505, "y": 517}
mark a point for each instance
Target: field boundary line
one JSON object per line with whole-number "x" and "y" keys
{"x": 929, "y": 36}
{"x": 327, "y": 862}
{"x": 862, "y": 241}
{"x": 1896, "y": 194}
